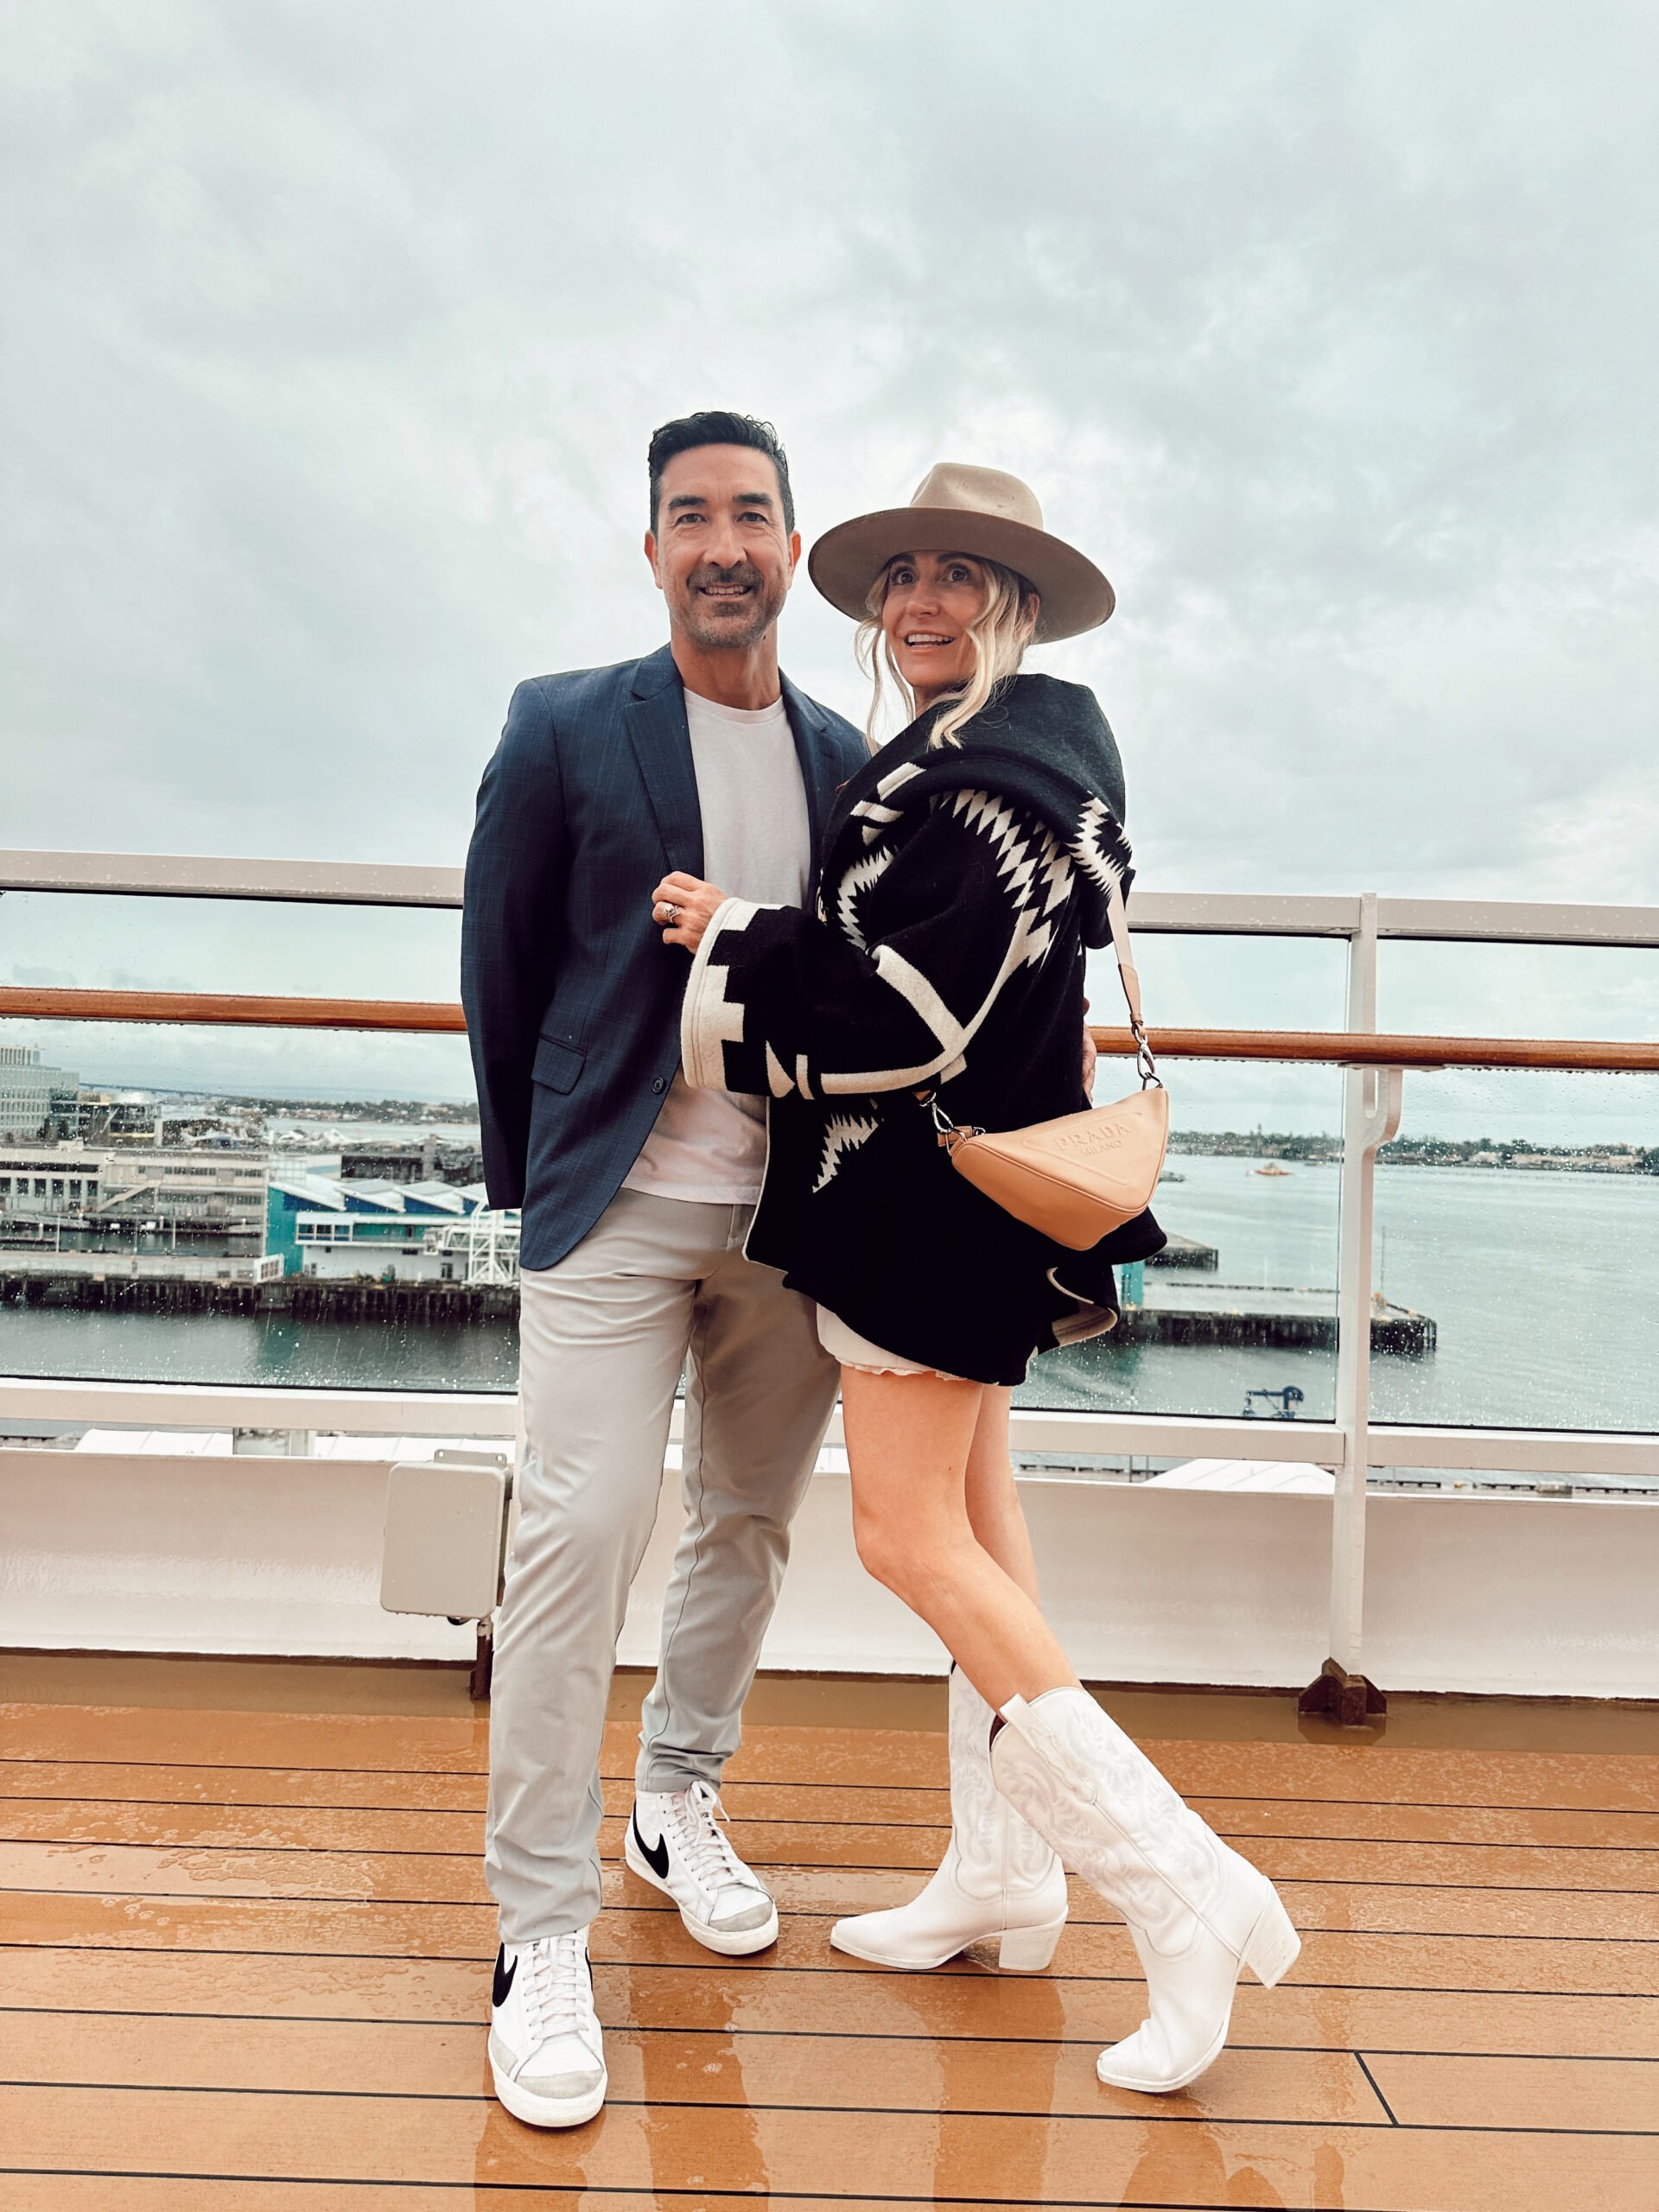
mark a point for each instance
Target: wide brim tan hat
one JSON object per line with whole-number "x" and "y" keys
{"x": 958, "y": 509}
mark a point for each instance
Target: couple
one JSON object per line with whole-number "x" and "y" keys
{"x": 720, "y": 958}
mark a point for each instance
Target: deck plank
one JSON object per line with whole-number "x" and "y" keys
{"x": 429, "y": 1878}
{"x": 1611, "y": 2096}
{"x": 168, "y": 1782}
{"x": 387, "y": 1743}
{"x": 930, "y": 2157}
{"x": 1311, "y": 1819}
{"x": 651, "y": 1936}
{"x": 679, "y": 2066}
{"x": 768, "y": 1842}
{"x": 150, "y": 2193}
{"x": 1042, "y": 2008}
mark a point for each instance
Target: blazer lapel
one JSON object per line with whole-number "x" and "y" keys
{"x": 811, "y": 749}
{"x": 662, "y": 746}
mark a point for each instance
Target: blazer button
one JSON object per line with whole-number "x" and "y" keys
{"x": 659, "y": 1083}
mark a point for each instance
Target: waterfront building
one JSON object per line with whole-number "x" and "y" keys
{"x": 33, "y": 1094}
{"x": 341, "y": 1227}
{"x": 395, "y": 1160}
{"x": 193, "y": 1191}
{"x": 41, "y": 1182}
{"x": 115, "y": 1117}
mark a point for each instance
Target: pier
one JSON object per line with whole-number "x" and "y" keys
{"x": 1186, "y": 1252}
{"x": 1235, "y": 1313}
{"x": 153, "y": 1286}
{"x": 1182, "y": 1312}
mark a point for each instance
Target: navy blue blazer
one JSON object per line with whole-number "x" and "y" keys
{"x": 572, "y": 999}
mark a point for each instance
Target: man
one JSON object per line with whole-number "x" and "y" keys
{"x": 637, "y": 1193}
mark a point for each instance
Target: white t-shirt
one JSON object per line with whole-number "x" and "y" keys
{"x": 757, "y": 844}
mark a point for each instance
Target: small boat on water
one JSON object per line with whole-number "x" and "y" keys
{"x": 1272, "y": 1169}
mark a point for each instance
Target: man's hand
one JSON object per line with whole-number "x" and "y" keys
{"x": 683, "y": 907}
{"x": 1089, "y": 1055}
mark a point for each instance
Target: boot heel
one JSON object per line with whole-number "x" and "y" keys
{"x": 1029, "y": 1950}
{"x": 1271, "y": 1947}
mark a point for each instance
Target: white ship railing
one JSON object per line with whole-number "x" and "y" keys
{"x": 369, "y": 883}
{"x": 1350, "y": 1445}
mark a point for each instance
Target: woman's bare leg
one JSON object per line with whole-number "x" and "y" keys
{"x": 910, "y": 1439}
{"x": 994, "y": 1512}
{"x": 911, "y": 1442}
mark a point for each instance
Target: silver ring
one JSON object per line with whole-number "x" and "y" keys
{"x": 673, "y": 913}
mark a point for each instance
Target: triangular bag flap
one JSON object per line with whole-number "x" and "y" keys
{"x": 1078, "y": 1178}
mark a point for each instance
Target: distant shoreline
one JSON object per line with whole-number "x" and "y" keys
{"x": 1516, "y": 1154}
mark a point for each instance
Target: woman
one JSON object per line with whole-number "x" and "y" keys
{"x": 967, "y": 870}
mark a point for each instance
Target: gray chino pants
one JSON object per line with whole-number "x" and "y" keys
{"x": 603, "y": 1338}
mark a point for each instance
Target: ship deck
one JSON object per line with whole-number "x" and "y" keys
{"x": 247, "y": 1955}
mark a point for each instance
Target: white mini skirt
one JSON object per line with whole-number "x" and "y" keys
{"x": 846, "y": 1345}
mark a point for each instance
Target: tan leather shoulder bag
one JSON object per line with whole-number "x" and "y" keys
{"x": 1078, "y": 1178}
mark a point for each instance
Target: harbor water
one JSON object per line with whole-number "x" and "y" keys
{"x": 1543, "y": 1286}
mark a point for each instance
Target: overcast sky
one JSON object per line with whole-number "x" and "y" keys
{"x": 335, "y": 334}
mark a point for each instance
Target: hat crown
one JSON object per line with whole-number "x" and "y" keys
{"x": 983, "y": 512}
{"x": 956, "y": 484}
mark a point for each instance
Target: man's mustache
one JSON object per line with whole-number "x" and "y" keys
{"x": 751, "y": 578}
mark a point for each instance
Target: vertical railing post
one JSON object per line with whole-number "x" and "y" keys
{"x": 1370, "y": 1115}
{"x": 1354, "y": 1309}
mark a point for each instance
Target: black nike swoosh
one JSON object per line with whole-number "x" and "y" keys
{"x": 503, "y": 1983}
{"x": 657, "y": 1860}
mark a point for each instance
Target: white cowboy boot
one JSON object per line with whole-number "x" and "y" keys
{"x": 998, "y": 1879}
{"x": 1196, "y": 1909}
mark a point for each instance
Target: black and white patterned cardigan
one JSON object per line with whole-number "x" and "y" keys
{"x": 961, "y": 887}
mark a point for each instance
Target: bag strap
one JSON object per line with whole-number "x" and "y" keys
{"x": 1118, "y": 920}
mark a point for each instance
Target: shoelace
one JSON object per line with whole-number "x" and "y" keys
{"x": 703, "y": 1843}
{"x": 556, "y": 1992}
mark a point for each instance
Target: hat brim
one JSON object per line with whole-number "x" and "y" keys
{"x": 847, "y": 560}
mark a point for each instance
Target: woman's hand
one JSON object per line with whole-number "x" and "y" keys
{"x": 683, "y": 907}
{"x": 1089, "y": 1058}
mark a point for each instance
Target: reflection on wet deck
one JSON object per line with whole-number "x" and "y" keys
{"x": 246, "y": 1965}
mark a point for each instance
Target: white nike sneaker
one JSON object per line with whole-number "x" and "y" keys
{"x": 546, "y": 2052}
{"x": 676, "y": 1843}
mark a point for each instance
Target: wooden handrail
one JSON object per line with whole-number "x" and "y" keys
{"x": 214, "y": 1009}
{"x": 427, "y": 1017}
{"x": 1381, "y": 1049}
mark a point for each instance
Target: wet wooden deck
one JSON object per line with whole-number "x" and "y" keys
{"x": 246, "y": 1964}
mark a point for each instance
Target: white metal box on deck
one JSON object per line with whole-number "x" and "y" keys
{"x": 445, "y": 1528}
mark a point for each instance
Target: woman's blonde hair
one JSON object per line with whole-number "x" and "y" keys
{"x": 999, "y": 635}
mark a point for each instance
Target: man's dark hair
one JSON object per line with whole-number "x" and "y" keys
{"x": 715, "y": 426}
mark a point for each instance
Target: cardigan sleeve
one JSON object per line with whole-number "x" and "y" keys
{"x": 890, "y": 988}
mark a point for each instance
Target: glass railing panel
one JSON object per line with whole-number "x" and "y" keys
{"x": 227, "y": 1204}
{"x": 117, "y": 941}
{"x": 259, "y": 1349}
{"x": 1240, "y": 982}
{"x": 1512, "y": 1294}
{"x": 319, "y": 1080}
{"x": 107, "y": 941}
{"x": 1228, "y": 982}
{"x": 1522, "y": 1208}
{"x": 1518, "y": 990}
{"x": 1521, "y": 1212}
{"x": 1239, "y": 1316}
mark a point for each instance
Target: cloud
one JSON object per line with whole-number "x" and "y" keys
{"x": 343, "y": 331}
